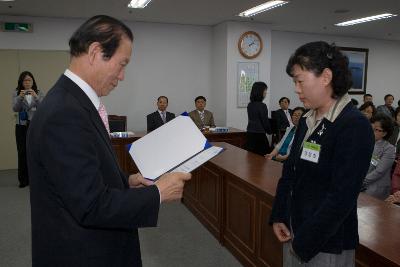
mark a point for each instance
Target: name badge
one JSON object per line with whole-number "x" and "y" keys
{"x": 374, "y": 161}
{"x": 310, "y": 152}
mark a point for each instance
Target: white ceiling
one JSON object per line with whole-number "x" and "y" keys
{"x": 313, "y": 16}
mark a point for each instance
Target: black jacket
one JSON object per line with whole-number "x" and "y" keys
{"x": 282, "y": 121}
{"x": 82, "y": 211}
{"x": 257, "y": 113}
{"x": 319, "y": 200}
{"x": 154, "y": 120}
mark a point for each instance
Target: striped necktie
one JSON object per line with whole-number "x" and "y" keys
{"x": 163, "y": 117}
{"x": 104, "y": 117}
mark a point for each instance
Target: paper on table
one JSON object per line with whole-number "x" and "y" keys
{"x": 199, "y": 159}
{"x": 167, "y": 147}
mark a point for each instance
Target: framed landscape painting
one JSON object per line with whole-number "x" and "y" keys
{"x": 358, "y": 64}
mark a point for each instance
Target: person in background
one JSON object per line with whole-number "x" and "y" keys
{"x": 282, "y": 115}
{"x": 377, "y": 182}
{"x": 282, "y": 149}
{"x": 200, "y": 116}
{"x": 368, "y": 109}
{"x": 26, "y": 99}
{"x": 354, "y": 102}
{"x": 85, "y": 211}
{"x": 396, "y": 182}
{"x": 395, "y": 137}
{"x": 160, "y": 116}
{"x": 387, "y": 109}
{"x": 367, "y": 98}
{"x": 258, "y": 125}
{"x": 394, "y": 198}
{"x": 314, "y": 213}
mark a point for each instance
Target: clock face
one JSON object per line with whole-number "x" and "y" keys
{"x": 250, "y": 44}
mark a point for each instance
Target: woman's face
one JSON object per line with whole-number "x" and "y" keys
{"x": 296, "y": 117}
{"x": 378, "y": 131}
{"x": 27, "y": 82}
{"x": 313, "y": 91}
{"x": 368, "y": 112}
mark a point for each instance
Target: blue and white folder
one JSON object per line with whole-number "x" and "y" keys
{"x": 176, "y": 146}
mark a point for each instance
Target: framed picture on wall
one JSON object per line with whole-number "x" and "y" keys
{"x": 358, "y": 64}
{"x": 247, "y": 74}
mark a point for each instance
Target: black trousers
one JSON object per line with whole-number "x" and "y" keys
{"x": 257, "y": 143}
{"x": 20, "y": 136}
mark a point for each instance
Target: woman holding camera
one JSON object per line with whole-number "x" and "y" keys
{"x": 26, "y": 99}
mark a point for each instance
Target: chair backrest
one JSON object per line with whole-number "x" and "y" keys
{"x": 117, "y": 123}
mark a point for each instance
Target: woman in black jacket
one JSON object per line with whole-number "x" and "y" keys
{"x": 315, "y": 208}
{"x": 258, "y": 124}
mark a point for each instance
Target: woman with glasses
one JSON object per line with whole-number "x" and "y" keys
{"x": 26, "y": 99}
{"x": 377, "y": 183}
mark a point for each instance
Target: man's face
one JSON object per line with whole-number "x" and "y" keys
{"x": 162, "y": 104}
{"x": 110, "y": 71}
{"x": 200, "y": 104}
{"x": 367, "y": 98}
{"x": 389, "y": 100}
{"x": 284, "y": 104}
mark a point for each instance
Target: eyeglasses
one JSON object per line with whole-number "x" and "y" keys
{"x": 378, "y": 130}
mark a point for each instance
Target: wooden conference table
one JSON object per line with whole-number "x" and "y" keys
{"x": 234, "y": 136}
{"x": 232, "y": 196}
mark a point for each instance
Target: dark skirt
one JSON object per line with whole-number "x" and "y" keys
{"x": 257, "y": 143}
{"x": 20, "y": 136}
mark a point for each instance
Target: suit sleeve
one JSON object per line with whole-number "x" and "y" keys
{"x": 264, "y": 119}
{"x": 150, "y": 123}
{"x": 385, "y": 163}
{"x": 351, "y": 157}
{"x": 76, "y": 168}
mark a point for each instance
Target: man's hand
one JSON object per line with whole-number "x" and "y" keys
{"x": 281, "y": 232}
{"x": 137, "y": 180}
{"x": 171, "y": 185}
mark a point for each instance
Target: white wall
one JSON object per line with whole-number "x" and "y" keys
{"x": 168, "y": 59}
{"x": 237, "y": 117}
{"x": 383, "y": 65}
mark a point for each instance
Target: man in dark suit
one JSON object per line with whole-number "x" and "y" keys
{"x": 160, "y": 116}
{"x": 282, "y": 115}
{"x": 84, "y": 210}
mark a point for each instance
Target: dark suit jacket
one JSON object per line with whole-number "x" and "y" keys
{"x": 281, "y": 119}
{"x": 319, "y": 200}
{"x": 257, "y": 113}
{"x": 83, "y": 213}
{"x": 154, "y": 120}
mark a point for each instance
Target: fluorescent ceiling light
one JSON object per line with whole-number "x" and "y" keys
{"x": 138, "y": 3}
{"x": 366, "y": 19}
{"x": 263, "y": 7}
{"x": 7, "y": 0}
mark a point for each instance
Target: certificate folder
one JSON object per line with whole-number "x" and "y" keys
{"x": 176, "y": 146}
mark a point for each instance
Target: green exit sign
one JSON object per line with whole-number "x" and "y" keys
{"x": 17, "y": 27}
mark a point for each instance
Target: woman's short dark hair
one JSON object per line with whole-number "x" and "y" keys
{"x": 283, "y": 98}
{"x": 303, "y": 110}
{"x": 106, "y": 30}
{"x": 367, "y": 105}
{"x": 257, "y": 91}
{"x": 200, "y": 97}
{"x": 316, "y": 57}
{"x": 21, "y": 81}
{"x": 386, "y": 124}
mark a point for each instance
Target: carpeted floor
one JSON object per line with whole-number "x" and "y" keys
{"x": 179, "y": 240}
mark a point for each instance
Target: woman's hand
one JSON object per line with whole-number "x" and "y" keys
{"x": 281, "y": 232}
{"x": 22, "y": 93}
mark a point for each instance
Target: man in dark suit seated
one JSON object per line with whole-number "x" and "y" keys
{"x": 160, "y": 116}
{"x": 200, "y": 116}
{"x": 283, "y": 115}
{"x": 84, "y": 210}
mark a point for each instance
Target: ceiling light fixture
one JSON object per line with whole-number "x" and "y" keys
{"x": 263, "y": 7}
{"x": 138, "y": 3}
{"x": 366, "y": 19}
